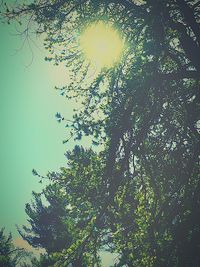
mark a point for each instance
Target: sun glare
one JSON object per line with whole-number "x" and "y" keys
{"x": 101, "y": 44}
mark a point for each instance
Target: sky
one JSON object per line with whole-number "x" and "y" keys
{"x": 30, "y": 136}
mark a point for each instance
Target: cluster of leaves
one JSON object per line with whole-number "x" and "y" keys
{"x": 71, "y": 201}
{"x": 140, "y": 196}
{"x": 10, "y": 255}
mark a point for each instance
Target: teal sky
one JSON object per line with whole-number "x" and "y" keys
{"x": 30, "y": 135}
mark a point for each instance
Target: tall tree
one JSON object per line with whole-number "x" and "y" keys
{"x": 145, "y": 111}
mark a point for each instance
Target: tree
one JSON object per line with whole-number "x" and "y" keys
{"x": 9, "y": 255}
{"x": 51, "y": 225}
{"x": 6, "y": 249}
{"x": 71, "y": 199}
{"x": 48, "y": 229}
{"x": 149, "y": 123}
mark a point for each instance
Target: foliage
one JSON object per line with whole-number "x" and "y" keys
{"x": 10, "y": 256}
{"x": 48, "y": 229}
{"x": 56, "y": 225}
{"x": 140, "y": 196}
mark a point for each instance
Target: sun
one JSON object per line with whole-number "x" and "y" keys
{"x": 101, "y": 44}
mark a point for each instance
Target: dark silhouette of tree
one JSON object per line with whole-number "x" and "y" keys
{"x": 10, "y": 255}
{"x": 145, "y": 111}
{"x": 48, "y": 229}
{"x": 50, "y": 225}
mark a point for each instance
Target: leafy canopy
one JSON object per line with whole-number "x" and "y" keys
{"x": 139, "y": 197}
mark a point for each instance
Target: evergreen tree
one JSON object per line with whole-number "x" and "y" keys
{"x": 144, "y": 202}
{"x": 10, "y": 255}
